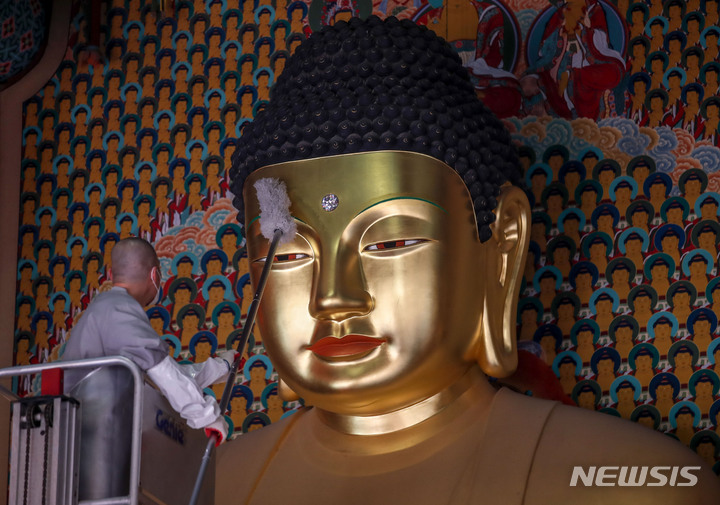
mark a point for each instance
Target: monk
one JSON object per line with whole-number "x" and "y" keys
{"x": 397, "y": 297}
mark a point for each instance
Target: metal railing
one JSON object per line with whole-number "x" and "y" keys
{"x": 136, "y": 438}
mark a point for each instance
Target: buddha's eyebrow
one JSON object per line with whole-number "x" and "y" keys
{"x": 402, "y": 198}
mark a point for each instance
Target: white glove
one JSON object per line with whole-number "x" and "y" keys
{"x": 219, "y": 429}
{"x": 228, "y": 356}
{"x": 184, "y": 394}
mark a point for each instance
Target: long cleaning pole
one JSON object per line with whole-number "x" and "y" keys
{"x": 249, "y": 323}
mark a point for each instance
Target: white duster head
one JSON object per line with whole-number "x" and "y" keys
{"x": 275, "y": 209}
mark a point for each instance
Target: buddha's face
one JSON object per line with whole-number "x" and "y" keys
{"x": 583, "y": 281}
{"x": 586, "y": 400}
{"x": 182, "y": 296}
{"x": 561, "y": 255}
{"x": 338, "y": 319}
{"x": 566, "y": 311}
{"x": 642, "y": 303}
{"x": 190, "y": 321}
{"x": 663, "y": 331}
{"x": 184, "y": 269}
{"x": 597, "y": 251}
{"x": 638, "y": 49}
{"x": 639, "y": 89}
{"x": 214, "y": 267}
{"x": 706, "y": 240}
{"x": 659, "y": 272}
{"x": 567, "y": 370}
{"x": 216, "y": 294}
{"x": 157, "y": 324}
{"x": 704, "y": 389}
{"x": 625, "y": 395}
{"x": 161, "y": 191}
{"x": 548, "y": 344}
{"x": 226, "y": 319}
{"x": 633, "y": 247}
{"x": 669, "y": 243}
{"x": 588, "y": 198}
{"x": 623, "y": 335}
{"x": 698, "y": 268}
{"x": 702, "y": 327}
{"x": 684, "y": 421}
{"x": 683, "y": 360}
{"x": 681, "y": 299}
{"x": 571, "y": 225}
{"x": 643, "y": 363}
{"x": 709, "y": 210}
{"x": 657, "y": 191}
{"x": 605, "y": 222}
{"x": 257, "y": 373}
{"x": 584, "y": 338}
{"x": 620, "y": 276}
{"x": 528, "y": 316}
{"x": 604, "y": 307}
{"x": 664, "y": 392}
{"x": 203, "y": 351}
{"x": 238, "y": 404}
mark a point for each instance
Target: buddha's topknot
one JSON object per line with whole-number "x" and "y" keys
{"x": 375, "y": 85}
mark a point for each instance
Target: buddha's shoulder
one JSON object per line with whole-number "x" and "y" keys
{"x": 586, "y": 448}
{"x": 238, "y": 463}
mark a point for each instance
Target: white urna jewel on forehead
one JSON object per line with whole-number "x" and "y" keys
{"x": 330, "y": 202}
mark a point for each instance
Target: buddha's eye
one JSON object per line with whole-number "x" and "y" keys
{"x": 285, "y": 258}
{"x": 392, "y": 244}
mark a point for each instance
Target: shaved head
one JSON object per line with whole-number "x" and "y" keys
{"x": 132, "y": 260}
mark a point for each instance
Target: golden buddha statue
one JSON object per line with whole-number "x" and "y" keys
{"x": 395, "y": 300}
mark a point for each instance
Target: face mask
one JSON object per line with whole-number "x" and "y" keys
{"x": 158, "y": 291}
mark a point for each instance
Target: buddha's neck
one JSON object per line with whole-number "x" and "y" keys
{"x": 436, "y": 410}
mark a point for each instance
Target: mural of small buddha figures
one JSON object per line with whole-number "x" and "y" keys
{"x": 605, "y": 218}
{"x": 625, "y": 391}
{"x": 605, "y": 363}
{"x": 583, "y": 277}
{"x": 662, "y": 328}
{"x": 704, "y": 386}
{"x": 670, "y": 239}
{"x": 597, "y": 246}
{"x": 530, "y": 313}
{"x": 623, "y": 332}
{"x": 701, "y": 325}
{"x": 633, "y": 244}
{"x": 547, "y": 282}
{"x": 565, "y": 309}
{"x": 696, "y": 267}
{"x": 642, "y": 300}
{"x": 683, "y": 356}
{"x": 567, "y": 368}
{"x": 692, "y": 183}
{"x": 604, "y": 304}
{"x": 684, "y": 417}
{"x": 584, "y": 336}
{"x": 643, "y": 359}
{"x": 664, "y": 389}
{"x": 549, "y": 337}
{"x": 620, "y": 273}
{"x": 681, "y": 296}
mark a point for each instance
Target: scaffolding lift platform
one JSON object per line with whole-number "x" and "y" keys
{"x": 112, "y": 439}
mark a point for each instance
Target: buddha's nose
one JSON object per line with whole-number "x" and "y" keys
{"x": 339, "y": 290}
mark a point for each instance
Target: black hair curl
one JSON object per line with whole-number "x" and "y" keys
{"x": 372, "y": 85}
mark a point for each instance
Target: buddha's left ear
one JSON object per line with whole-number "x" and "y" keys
{"x": 505, "y": 261}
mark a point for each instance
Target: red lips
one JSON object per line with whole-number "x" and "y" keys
{"x": 349, "y": 345}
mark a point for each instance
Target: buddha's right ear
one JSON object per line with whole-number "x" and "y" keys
{"x": 506, "y": 252}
